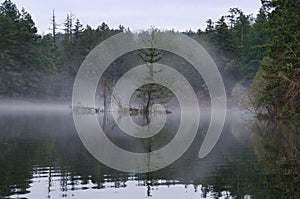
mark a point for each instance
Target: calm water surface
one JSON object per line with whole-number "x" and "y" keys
{"x": 42, "y": 156}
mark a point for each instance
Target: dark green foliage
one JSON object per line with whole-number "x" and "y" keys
{"x": 22, "y": 62}
{"x": 281, "y": 95}
{"x": 34, "y": 65}
{"x": 29, "y": 57}
{"x": 236, "y": 43}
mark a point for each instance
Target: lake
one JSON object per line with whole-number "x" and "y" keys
{"x": 42, "y": 156}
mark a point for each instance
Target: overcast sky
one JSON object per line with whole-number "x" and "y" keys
{"x": 136, "y": 14}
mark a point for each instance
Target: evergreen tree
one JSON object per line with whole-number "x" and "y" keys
{"x": 152, "y": 92}
{"x": 282, "y": 66}
{"x": 223, "y": 39}
{"x": 22, "y": 62}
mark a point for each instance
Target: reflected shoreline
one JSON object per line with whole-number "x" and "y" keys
{"x": 239, "y": 165}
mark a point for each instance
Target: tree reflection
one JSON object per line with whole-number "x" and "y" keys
{"x": 277, "y": 145}
{"x": 47, "y": 147}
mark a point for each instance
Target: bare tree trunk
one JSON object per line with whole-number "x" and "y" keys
{"x": 146, "y": 110}
{"x": 54, "y": 28}
{"x": 105, "y": 95}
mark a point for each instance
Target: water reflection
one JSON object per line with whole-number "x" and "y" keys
{"x": 277, "y": 145}
{"x": 42, "y": 156}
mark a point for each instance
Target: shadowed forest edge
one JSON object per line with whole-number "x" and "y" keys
{"x": 260, "y": 53}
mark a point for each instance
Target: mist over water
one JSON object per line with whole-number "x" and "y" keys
{"x": 43, "y": 135}
{"x": 102, "y": 112}
{"x": 33, "y": 106}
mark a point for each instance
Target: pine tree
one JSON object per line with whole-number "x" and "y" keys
{"x": 152, "y": 92}
{"x": 282, "y": 64}
{"x": 54, "y": 28}
{"x": 22, "y": 62}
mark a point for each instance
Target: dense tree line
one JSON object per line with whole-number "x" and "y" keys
{"x": 264, "y": 52}
{"x": 240, "y": 44}
{"x": 235, "y": 42}
{"x": 24, "y": 58}
{"x": 33, "y": 65}
{"x": 281, "y": 65}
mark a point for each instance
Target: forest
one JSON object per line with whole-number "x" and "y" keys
{"x": 261, "y": 52}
